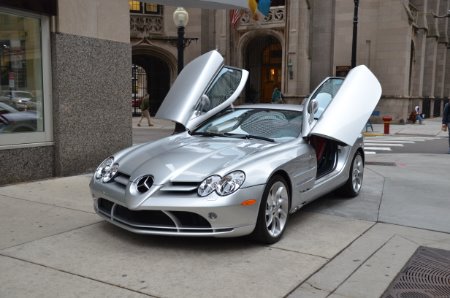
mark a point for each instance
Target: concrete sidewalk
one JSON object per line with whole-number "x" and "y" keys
{"x": 430, "y": 127}
{"x": 157, "y": 123}
{"x": 53, "y": 245}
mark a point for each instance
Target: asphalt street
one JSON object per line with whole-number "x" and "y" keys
{"x": 52, "y": 244}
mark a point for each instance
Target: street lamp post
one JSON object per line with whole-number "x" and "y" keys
{"x": 355, "y": 33}
{"x": 134, "y": 82}
{"x": 180, "y": 18}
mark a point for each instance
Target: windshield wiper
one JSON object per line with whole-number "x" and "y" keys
{"x": 245, "y": 136}
{"x": 207, "y": 134}
{"x": 232, "y": 135}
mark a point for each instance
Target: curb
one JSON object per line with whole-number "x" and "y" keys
{"x": 373, "y": 134}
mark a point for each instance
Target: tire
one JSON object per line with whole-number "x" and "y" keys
{"x": 273, "y": 212}
{"x": 353, "y": 185}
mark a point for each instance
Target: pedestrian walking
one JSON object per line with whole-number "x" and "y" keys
{"x": 412, "y": 117}
{"x": 419, "y": 116}
{"x": 145, "y": 110}
{"x": 277, "y": 97}
{"x": 446, "y": 122}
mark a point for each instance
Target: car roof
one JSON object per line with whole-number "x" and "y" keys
{"x": 289, "y": 107}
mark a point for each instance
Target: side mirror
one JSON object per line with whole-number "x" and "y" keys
{"x": 313, "y": 106}
{"x": 203, "y": 106}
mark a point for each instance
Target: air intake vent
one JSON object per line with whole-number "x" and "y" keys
{"x": 144, "y": 184}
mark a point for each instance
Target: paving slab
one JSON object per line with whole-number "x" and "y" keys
{"x": 321, "y": 234}
{"x": 375, "y": 275}
{"x": 172, "y": 267}
{"x": 369, "y": 264}
{"x": 415, "y": 192}
{"x": 191, "y": 267}
{"x": 22, "y": 221}
{"x": 23, "y": 279}
{"x": 68, "y": 192}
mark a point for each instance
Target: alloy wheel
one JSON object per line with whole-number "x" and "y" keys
{"x": 277, "y": 205}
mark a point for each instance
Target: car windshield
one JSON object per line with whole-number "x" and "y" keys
{"x": 22, "y": 94}
{"x": 254, "y": 123}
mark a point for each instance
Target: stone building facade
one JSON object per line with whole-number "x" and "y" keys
{"x": 73, "y": 59}
{"x": 76, "y": 60}
{"x": 301, "y": 42}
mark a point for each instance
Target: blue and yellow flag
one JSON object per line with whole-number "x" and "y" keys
{"x": 259, "y": 7}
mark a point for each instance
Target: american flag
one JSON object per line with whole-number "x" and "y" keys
{"x": 235, "y": 17}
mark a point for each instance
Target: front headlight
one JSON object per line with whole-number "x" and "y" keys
{"x": 223, "y": 186}
{"x": 107, "y": 170}
{"x": 208, "y": 185}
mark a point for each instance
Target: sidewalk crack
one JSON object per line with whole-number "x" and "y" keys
{"x": 79, "y": 275}
{"x": 329, "y": 260}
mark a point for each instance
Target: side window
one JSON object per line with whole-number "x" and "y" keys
{"x": 325, "y": 94}
{"x": 221, "y": 89}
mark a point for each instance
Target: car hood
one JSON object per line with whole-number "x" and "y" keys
{"x": 20, "y": 116}
{"x": 188, "y": 158}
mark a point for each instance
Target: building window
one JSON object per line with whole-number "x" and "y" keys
{"x": 152, "y": 8}
{"x": 25, "y": 101}
{"x": 277, "y": 3}
{"x": 137, "y": 7}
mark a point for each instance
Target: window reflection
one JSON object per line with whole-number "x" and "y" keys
{"x": 325, "y": 93}
{"x": 21, "y": 102}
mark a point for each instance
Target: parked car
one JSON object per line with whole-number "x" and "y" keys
{"x": 21, "y": 100}
{"x": 237, "y": 170}
{"x": 12, "y": 120}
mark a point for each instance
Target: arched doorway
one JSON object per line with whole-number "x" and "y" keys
{"x": 157, "y": 77}
{"x": 263, "y": 59}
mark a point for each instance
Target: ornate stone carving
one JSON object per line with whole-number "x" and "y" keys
{"x": 275, "y": 18}
{"x": 144, "y": 25}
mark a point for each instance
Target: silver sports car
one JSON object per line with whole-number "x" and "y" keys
{"x": 237, "y": 170}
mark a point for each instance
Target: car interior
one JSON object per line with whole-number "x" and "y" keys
{"x": 326, "y": 154}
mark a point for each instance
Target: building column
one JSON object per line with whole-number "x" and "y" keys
{"x": 447, "y": 75}
{"x": 441, "y": 57}
{"x": 323, "y": 22}
{"x": 419, "y": 41}
{"x": 431, "y": 50}
{"x": 298, "y": 60}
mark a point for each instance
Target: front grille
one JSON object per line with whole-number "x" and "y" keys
{"x": 142, "y": 218}
{"x": 105, "y": 206}
{"x": 156, "y": 220}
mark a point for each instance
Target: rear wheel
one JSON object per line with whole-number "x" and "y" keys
{"x": 273, "y": 212}
{"x": 352, "y": 187}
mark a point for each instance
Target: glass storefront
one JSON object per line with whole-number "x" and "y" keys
{"x": 24, "y": 78}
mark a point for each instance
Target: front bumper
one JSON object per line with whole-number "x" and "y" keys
{"x": 182, "y": 214}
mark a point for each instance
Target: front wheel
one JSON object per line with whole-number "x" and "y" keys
{"x": 273, "y": 211}
{"x": 352, "y": 187}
